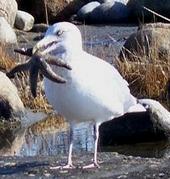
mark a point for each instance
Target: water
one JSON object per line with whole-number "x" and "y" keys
{"x": 47, "y": 137}
{"x": 56, "y": 142}
{"x": 51, "y": 137}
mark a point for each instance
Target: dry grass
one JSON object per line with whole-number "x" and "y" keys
{"x": 6, "y": 62}
{"x": 146, "y": 66}
{"x": 36, "y": 104}
{"x": 147, "y": 78}
{"x": 52, "y": 124}
{"x": 22, "y": 82}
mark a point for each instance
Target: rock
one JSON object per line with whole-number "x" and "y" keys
{"x": 158, "y": 114}
{"x": 141, "y": 15}
{"x": 113, "y": 165}
{"x": 24, "y": 21}
{"x": 57, "y": 10}
{"x": 110, "y": 12}
{"x": 130, "y": 128}
{"x": 152, "y": 125}
{"x": 10, "y": 102}
{"x": 84, "y": 12}
{"x": 5, "y": 109}
{"x": 40, "y": 28}
{"x": 105, "y": 1}
{"x": 8, "y": 10}
{"x": 110, "y": 1}
{"x": 149, "y": 41}
{"x": 7, "y": 34}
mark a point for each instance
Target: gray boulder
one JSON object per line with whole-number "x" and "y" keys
{"x": 139, "y": 14}
{"x": 10, "y": 102}
{"x": 110, "y": 1}
{"x": 112, "y": 12}
{"x": 7, "y": 34}
{"x": 24, "y": 21}
{"x": 8, "y": 10}
{"x": 159, "y": 115}
{"x": 57, "y": 10}
{"x": 105, "y": 1}
{"x": 40, "y": 27}
{"x": 150, "y": 41}
{"x": 152, "y": 125}
{"x": 85, "y": 11}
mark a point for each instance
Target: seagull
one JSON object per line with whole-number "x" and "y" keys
{"x": 94, "y": 90}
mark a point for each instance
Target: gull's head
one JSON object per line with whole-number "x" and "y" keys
{"x": 60, "y": 38}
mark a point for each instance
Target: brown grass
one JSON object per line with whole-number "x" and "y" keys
{"x": 6, "y": 62}
{"x": 53, "y": 123}
{"x": 22, "y": 82}
{"x": 36, "y": 104}
{"x": 147, "y": 78}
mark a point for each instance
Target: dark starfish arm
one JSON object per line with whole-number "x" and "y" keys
{"x": 48, "y": 73}
{"x": 22, "y": 51}
{"x": 52, "y": 60}
{"x": 18, "y": 68}
{"x": 34, "y": 69}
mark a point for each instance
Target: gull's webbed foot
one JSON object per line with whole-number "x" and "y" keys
{"x": 65, "y": 167}
{"x": 92, "y": 165}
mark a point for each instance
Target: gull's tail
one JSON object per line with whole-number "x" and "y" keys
{"x": 136, "y": 107}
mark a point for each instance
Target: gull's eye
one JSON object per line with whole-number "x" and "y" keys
{"x": 59, "y": 32}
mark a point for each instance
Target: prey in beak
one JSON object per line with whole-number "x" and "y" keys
{"x": 38, "y": 63}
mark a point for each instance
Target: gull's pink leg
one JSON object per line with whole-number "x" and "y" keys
{"x": 96, "y": 138}
{"x": 69, "y": 162}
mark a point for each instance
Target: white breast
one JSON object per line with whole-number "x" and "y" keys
{"x": 94, "y": 91}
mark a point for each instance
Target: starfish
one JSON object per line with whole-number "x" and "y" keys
{"x": 38, "y": 63}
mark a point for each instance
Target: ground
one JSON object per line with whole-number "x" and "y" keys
{"x": 113, "y": 165}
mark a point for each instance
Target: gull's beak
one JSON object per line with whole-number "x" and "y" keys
{"x": 45, "y": 45}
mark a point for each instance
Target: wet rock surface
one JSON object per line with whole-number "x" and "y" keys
{"x": 30, "y": 152}
{"x": 112, "y": 166}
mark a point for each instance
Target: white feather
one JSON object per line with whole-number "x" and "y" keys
{"x": 94, "y": 90}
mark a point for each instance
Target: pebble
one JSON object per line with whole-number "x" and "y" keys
{"x": 47, "y": 174}
{"x": 24, "y": 21}
{"x": 10, "y": 164}
{"x": 122, "y": 176}
{"x": 161, "y": 174}
{"x": 63, "y": 171}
